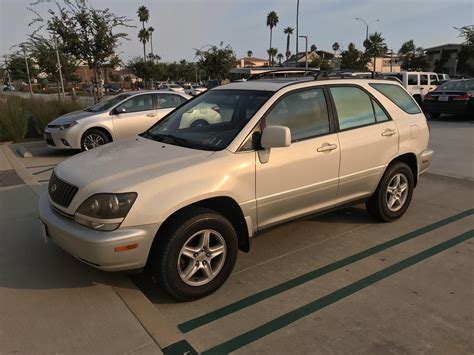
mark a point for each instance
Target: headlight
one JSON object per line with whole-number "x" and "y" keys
{"x": 67, "y": 125}
{"x": 105, "y": 212}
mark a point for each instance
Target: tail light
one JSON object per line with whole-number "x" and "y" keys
{"x": 428, "y": 97}
{"x": 465, "y": 97}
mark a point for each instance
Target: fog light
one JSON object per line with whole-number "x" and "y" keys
{"x": 65, "y": 142}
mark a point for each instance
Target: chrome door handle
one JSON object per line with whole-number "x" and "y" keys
{"x": 151, "y": 115}
{"x": 326, "y": 147}
{"x": 389, "y": 132}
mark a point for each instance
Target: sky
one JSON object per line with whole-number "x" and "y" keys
{"x": 182, "y": 25}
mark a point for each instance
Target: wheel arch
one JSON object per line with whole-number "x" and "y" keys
{"x": 98, "y": 128}
{"x": 224, "y": 205}
{"x": 410, "y": 160}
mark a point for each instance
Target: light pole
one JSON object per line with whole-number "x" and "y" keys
{"x": 366, "y": 26}
{"x": 297, "y": 16}
{"x": 391, "y": 60}
{"x": 59, "y": 68}
{"x": 306, "y": 50}
{"x": 28, "y": 72}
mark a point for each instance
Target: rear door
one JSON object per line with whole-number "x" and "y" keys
{"x": 368, "y": 141}
{"x": 424, "y": 84}
{"x": 134, "y": 116}
{"x": 434, "y": 82}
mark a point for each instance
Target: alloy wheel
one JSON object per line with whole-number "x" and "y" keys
{"x": 397, "y": 192}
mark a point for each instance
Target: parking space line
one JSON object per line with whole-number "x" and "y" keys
{"x": 40, "y": 166}
{"x": 297, "y": 281}
{"x": 43, "y": 171}
{"x": 301, "y": 312}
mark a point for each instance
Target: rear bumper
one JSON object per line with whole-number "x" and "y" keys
{"x": 97, "y": 248}
{"x": 424, "y": 160}
{"x": 453, "y": 108}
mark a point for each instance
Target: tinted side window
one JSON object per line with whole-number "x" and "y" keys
{"x": 379, "y": 113}
{"x": 304, "y": 113}
{"x": 137, "y": 103}
{"x": 398, "y": 96}
{"x": 423, "y": 79}
{"x": 412, "y": 79}
{"x": 168, "y": 100}
{"x": 433, "y": 79}
{"x": 353, "y": 107}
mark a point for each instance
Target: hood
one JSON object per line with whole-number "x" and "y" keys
{"x": 72, "y": 116}
{"x": 126, "y": 162}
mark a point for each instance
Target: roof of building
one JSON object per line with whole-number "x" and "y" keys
{"x": 441, "y": 46}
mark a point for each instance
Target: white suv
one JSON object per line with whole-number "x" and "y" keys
{"x": 182, "y": 199}
{"x": 418, "y": 84}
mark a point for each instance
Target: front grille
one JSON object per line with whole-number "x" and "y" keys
{"x": 60, "y": 191}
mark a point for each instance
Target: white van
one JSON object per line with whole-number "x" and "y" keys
{"x": 418, "y": 84}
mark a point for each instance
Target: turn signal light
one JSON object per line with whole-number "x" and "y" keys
{"x": 126, "y": 247}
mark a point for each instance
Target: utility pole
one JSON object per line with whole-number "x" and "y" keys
{"x": 28, "y": 72}
{"x": 306, "y": 50}
{"x": 59, "y": 68}
{"x": 391, "y": 60}
{"x": 297, "y": 16}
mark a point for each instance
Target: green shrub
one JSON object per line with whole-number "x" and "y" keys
{"x": 42, "y": 112}
{"x": 13, "y": 119}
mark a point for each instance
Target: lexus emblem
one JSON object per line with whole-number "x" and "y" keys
{"x": 54, "y": 188}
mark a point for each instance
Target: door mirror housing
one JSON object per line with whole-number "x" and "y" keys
{"x": 276, "y": 137}
{"x": 119, "y": 110}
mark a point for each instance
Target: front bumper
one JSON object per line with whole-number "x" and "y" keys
{"x": 64, "y": 139}
{"x": 424, "y": 160}
{"x": 97, "y": 248}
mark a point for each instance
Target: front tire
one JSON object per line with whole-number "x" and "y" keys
{"x": 393, "y": 195}
{"x": 195, "y": 254}
{"x": 93, "y": 138}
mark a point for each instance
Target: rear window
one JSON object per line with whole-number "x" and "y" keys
{"x": 461, "y": 85}
{"x": 398, "y": 96}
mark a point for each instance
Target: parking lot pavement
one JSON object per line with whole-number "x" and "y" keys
{"x": 335, "y": 283}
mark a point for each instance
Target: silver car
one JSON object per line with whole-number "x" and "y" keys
{"x": 116, "y": 118}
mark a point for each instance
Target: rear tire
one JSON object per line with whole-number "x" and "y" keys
{"x": 188, "y": 267}
{"x": 393, "y": 195}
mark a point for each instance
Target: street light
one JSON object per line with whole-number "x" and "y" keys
{"x": 297, "y": 15}
{"x": 366, "y": 26}
{"x": 306, "y": 52}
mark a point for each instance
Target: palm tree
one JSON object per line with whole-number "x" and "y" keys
{"x": 143, "y": 36}
{"x": 150, "y": 31}
{"x": 375, "y": 46}
{"x": 272, "y": 20}
{"x": 335, "y": 47}
{"x": 272, "y": 52}
{"x": 249, "y": 53}
{"x": 143, "y": 16}
{"x": 280, "y": 58}
{"x": 288, "y": 31}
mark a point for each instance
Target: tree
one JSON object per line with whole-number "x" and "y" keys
{"x": 413, "y": 58}
{"x": 466, "y": 54}
{"x": 375, "y": 46}
{"x": 335, "y": 47}
{"x": 143, "y": 35}
{"x": 16, "y": 66}
{"x": 313, "y": 48}
{"x": 353, "y": 59}
{"x": 150, "y": 31}
{"x": 272, "y": 52}
{"x": 288, "y": 31}
{"x": 280, "y": 58}
{"x": 87, "y": 34}
{"x": 249, "y": 53}
{"x": 44, "y": 52}
{"x": 272, "y": 21}
{"x": 216, "y": 62}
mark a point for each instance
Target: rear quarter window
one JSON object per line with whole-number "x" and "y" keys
{"x": 398, "y": 96}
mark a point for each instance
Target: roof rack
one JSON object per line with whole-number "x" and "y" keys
{"x": 347, "y": 74}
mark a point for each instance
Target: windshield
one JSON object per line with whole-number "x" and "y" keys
{"x": 460, "y": 85}
{"x": 211, "y": 121}
{"x": 107, "y": 104}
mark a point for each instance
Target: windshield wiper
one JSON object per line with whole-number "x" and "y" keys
{"x": 168, "y": 138}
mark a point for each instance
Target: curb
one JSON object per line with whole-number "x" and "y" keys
{"x": 23, "y": 152}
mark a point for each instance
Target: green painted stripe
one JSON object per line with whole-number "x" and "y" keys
{"x": 180, "y": 348}
{"x": 293, "y": 316}
{"x": 275, "y": 290}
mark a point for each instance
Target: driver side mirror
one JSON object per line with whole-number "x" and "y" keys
{"x": 275, "y": 137}
{"x": 119, "y": 110}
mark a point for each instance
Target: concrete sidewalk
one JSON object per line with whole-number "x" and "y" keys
{"x": 51, "y": 303}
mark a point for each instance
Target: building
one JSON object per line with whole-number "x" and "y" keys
{"x": 385, "y": 64}
{"x": 312, "y": 55}
{"x": 443, "y": 58}
{"x": 251, "y": 62}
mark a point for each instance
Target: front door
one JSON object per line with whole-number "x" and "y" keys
{"x": 368, "y": 142}
{"x": 302, "y": 178}
{"x": 134, "y": 116}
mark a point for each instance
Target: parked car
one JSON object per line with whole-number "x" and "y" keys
{"x": 453, "y": 97}
{"x": 181, "y": 200}
{"x": 442, "y": 76}
{"x": 8, "y": 87}
{"x": 113, "y": 88}
{"x": 116, "y": 118}
{"x": 194, "y": 89}
{"x": 418, "y": 84}
{"x": 172, "y": 87}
